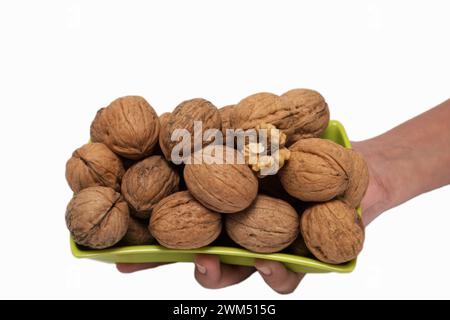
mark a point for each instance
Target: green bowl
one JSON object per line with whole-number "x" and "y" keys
{"x": 156, "y": 253}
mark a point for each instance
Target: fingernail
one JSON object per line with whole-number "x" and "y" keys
{"x": 265, "y": 271}
{"x": 200, "y": 268}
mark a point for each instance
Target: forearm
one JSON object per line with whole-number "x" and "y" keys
{"x": 408, "y": 160}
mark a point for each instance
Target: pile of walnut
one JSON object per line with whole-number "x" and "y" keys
{"x": 127, "y": 191}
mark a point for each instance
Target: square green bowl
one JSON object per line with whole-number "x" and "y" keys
{"x": 230, "y": 255}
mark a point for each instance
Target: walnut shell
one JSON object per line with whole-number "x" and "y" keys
{"x": 147, "y": 182}
{"x": 310, "y": 114}
{"x": 268, "y": 225}
{"x": 271, "y": 186}
{"x": 128, "y": 126}
{"x": 260, "y": 108}
{"x": 97, "y": 217}
{"x": 359, "y": 180}
{"x": 299, "y": 113}
{"x": 299, "y": 248}
{"x": 162, "y": 122}
{"x": 333, "y": 231}
{"x": 224, "y": 186}
{"x": 225, "y": 116}
{"x": 137, "y": 233}
{"x": 318, "y": 170}
{"x": 181, "y": 222}
{"x": 94, "y": 165}
{"x": 163, "y": 118}
{"x": 128, "y": 163}
{"x": 183, "y": 117}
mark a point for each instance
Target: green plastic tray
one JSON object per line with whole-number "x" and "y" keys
{"x": 156, "y": 253}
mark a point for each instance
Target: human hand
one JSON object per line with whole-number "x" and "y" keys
{"x": 212, "y": 274}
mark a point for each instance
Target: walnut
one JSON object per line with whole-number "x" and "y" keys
{"x": 94, "y": 165}
{"x": 181, "y": 222}
{"x": 260, "y": 108}
{"x": 271, "y": 186}
{"x": 310, "y": 114}
{"x": 225, "y": 116}
{"x": 97, "y": 217}
{"x": 333, "y": 231}
{"x": 128, "y": 163}
{"x": 223, "y": 240}
{"x": 299, "y": 248}
{"x": 163, "y": 118}
{"x": 299, "y": 113}
{"x": 147, "y": 182}
{"x": 359, "y": 180}
{"x": 183, "y": 117}
{"x": 137, "y": 233}
{"x": 268, "y": 225}
{"x": 162, "y": 122}
{"x": 128, "y": 126}
{"x": 217, "y": 179}
{"x": 318, "y": 170}
{"x": 267, "y": 154}
{"x": 272, "y": 136}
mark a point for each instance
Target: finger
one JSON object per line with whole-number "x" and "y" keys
{"x": 133, "y": 267}
{"x": 212, "y": 274}
{"x": 277, "y": 276}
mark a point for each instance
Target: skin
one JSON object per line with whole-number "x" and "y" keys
{"x": 411, "y": 159}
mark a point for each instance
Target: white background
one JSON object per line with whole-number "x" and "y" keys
{"x": 377, "y": 63}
